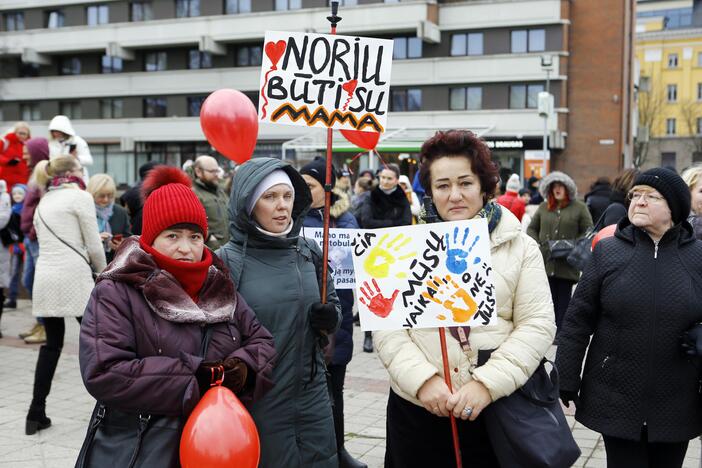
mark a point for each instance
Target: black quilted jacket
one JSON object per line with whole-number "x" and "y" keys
{"x": 636, "y": 299}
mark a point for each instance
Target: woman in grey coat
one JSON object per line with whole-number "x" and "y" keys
{"x": 278, "y": 274}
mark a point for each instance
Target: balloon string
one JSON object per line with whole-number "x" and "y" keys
{"x": 346, "y": 104}
{"x": 263, "y": 94}
{"x": 373, "y": 151}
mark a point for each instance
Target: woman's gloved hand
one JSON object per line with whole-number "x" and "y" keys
{"x": 323, "y": 317}
{"x": 208, "y": 373}
{"x": 235, "y": 374}
{"x": 692, "y": 341}
{"x": 567, "y": 396}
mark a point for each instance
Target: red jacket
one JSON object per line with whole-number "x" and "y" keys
{"x": 513, "y": 203}
{"x": 13, "y": 169}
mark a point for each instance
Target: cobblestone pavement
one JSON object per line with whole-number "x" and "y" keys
{"x": 69, "y": 406}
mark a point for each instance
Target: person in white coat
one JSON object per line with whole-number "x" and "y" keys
{"x": 71, "y": 250}
{"x": 460, "y": 177}
{"x": 415, "y": 204}
{"x": 5, "y": 212}
{"x": 63, "y": 141}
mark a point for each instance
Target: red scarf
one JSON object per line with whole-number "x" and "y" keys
{"x": 191, "y": 276}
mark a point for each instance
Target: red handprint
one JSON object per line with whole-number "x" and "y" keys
{"x": 379, "y": 305}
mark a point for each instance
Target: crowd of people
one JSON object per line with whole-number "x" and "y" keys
{"x": 166, "y": 279}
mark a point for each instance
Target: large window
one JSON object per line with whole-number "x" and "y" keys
{"x": 141, "y": 11}
{"x": 672, "y": 60}
{"x": 528, "y": 40}
{"x": 14, "y": 21}
{"x": 524, "y": 96}
{"x": 70, "y": 109}
{"x": 70, "y": 66}
{"x": 155, "y": 61}
{"x": 30, "y": 111}
{"x": 198, "y": 59}
{"x": 155, "y": 107}
{"x": 670, "y": 126}
{"x": 111, "y": 64}
{"x": 405, "y": 100}
{"x": 187, "y": 8}
{"x": 288, "y": 4}
{"x": 407, "y": 47}
{"x": 237, "y": 6}
{"x": 248, "y": 56}
{"x": 469, "y": 98}
{"x": 194, "y": 105}
{"x": 672, "y": 93}
{"x": 53, "y": 19}
{"x": 97, "y": 14}
{"x": 111, "y": 108}
{"x": 467, "y": 44}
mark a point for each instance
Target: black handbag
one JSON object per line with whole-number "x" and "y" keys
{"x": 123, "y": 439}
{"x": 582, "y": 252}
{"x": 528, "y": 428}
{"x": 560, "y": 248}
{"x": 11, "y": 234}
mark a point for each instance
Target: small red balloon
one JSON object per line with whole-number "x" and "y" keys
{"x": 365, "y": 140}
{"x": 607, "y": 231}
{"x": 219, "y": 432}
{"x": 230, "y": 123}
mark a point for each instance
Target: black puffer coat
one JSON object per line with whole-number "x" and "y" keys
{"x": 636, "y": 299}
{"x": 380, "y": 210}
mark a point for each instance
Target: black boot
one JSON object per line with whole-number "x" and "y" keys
{"x": 43, "y": 375}
{"x": 368, "y": 342}
{"x": 347, "y": 461}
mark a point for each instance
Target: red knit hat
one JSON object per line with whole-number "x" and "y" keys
{"x": 169, "y": 200}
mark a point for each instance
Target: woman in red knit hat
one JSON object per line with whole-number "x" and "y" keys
{"x": 152, "y": 308}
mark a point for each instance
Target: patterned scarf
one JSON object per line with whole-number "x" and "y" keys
{"x": 493, "y": 213}
{"x": 58, "y": 181}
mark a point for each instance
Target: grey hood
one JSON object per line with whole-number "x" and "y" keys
{"x": 563, "y": 178}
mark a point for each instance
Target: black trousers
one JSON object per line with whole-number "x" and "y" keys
{"x": 337, "y": 374}
{"x": 418, "y": 439}
{"x": 644, "y": 454}
{"x": 561, "y": 291}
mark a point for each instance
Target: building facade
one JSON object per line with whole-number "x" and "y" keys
{"x": 133, "y": 74}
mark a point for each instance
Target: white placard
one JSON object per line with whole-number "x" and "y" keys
{"x": 340, "y": 253}
{"x": 424, "y": 276}
{"x": 323, "y": 80}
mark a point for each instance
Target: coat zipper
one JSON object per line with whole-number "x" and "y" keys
{"x": 300, "y": 340}
{"x": 655, "y": 249}
{"x": 651, "y": 330}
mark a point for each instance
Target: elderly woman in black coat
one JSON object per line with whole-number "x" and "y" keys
{"x": 640, "y": 293}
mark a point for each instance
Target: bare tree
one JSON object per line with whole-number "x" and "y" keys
{"x": 691, "y": 111}
{"x": 650, "y": 104}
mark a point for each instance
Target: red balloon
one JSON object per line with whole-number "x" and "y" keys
{"x": 607, "y": 231}
{"x": 219, "y": 432}
{"x": 230, "y": 123}
{"x": 365, "y": 140}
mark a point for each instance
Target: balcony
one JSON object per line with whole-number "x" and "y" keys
{"x": 495, "y": 14}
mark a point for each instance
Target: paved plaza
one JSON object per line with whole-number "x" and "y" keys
{"x": 69, "y": 406}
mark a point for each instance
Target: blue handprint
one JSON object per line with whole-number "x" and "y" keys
{"x": 456, "y": 257}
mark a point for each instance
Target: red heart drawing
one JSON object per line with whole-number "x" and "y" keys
{"x": 275, "y": 50}
{"x": 350, "y": 86}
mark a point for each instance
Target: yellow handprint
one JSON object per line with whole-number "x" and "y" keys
{"x": 380, "y": 258}
{"x": 441, "y": 286}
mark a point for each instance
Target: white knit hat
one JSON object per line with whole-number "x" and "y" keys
{"x": 514, "y": 183}
{"x": 274, "y": 178}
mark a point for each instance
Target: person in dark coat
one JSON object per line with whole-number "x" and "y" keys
{"x": 340, "y": 217}
{"x": 386, "y": 206}
{"x": 618, "y": 204}
{"x": 597, "y": 199}
{"x": 131, "y": 199}
{"x": 278, "y": 272}
{"x": 637, "y": 297}
{"x": 112, "y": 219}
{"x": 142, "y": 330}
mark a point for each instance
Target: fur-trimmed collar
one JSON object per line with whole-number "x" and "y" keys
{"x": 341, "y": 205}
{"x": 563, "y": 178}
{"x": 163, "y": 292}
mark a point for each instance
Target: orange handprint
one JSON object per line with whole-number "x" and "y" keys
{"x": 379, "y": 305}
{"x": 442, "y": 287}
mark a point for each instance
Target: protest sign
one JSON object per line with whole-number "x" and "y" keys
{"x": 424, "y": 276}
{"x": 340, "y": 254}
{"x": 323, "y": 80}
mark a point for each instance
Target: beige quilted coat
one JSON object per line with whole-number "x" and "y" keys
{"x": 62, "y": 281}
{"x": 523, "y": 333}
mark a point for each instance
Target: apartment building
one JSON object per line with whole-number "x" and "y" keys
{"x": 133, "y": 74}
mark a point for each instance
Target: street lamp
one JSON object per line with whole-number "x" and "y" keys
{"x": 546, "y": 104}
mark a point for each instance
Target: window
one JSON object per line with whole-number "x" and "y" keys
{"x": 696, "y": 157}
{"x": 699, "y": 59}
{"x": 532, "y": 40}
{"x": 155, "y": 107}
{"x": 98, "y": 14}
{"x": 194, "y": 105}
{"x": 111, "y": 108}
{"x": 404, "y": 100}
{"x": 288, "y": 4}
{"x": 70, "y": 109}
{"x": 111, "y": 64}
{"x": 345, "y": 2}
{"x": 699, "y": 91}
{"x": 672, "y": 60}
{"x": 155, "y": 61}
{"x": 670, "y": 126}
{"x": 54, "y": 19}
{"x": 14, "y": 21}
{"x": 27, "y": 70}
{"x": 248, "y": 56}
{"x": 407, "y": 47}
{"x": 237, "y": 6}
{"x": 141, "y": 11}
{"x": 70, "y": 66}
{"x": 470, "y": 98}
{"x": 187, "y": 8}
{"x": 668, "y": 159}
{"x": 698, "y": 129}
{"x": 524, "y": 96}
{"x": 30, "y": 112}
{"x": 467, "y": 44}
{"x": 672, "y": 93}
{"x": 199, "y": 59}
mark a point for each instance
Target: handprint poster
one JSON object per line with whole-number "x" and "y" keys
{"x": 424, "y": 276}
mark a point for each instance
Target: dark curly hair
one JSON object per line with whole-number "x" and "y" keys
{"x": 459, "y": 143}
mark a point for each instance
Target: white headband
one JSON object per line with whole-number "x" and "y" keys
{"x": 274, "y": 178}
